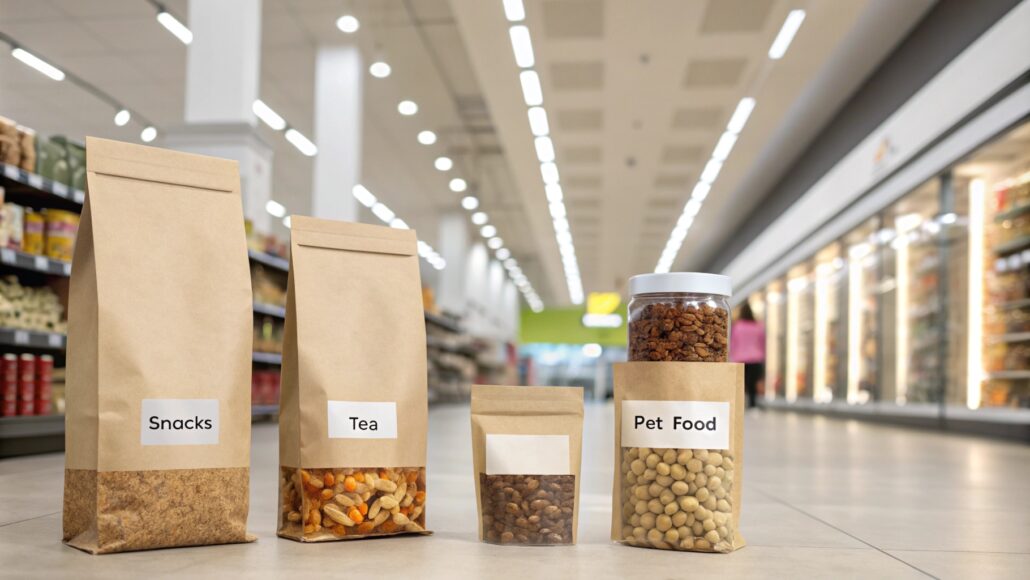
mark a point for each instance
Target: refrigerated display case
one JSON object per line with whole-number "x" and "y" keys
{"x": 757, "y": 303}
{"x": 800, "y": 327}
{"x": 775, "y": 339}
{"x": 829, "y": 332}
{"x": 864, "y": 276}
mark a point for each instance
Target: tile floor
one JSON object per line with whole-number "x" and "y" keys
{"x": 823, "y": 498}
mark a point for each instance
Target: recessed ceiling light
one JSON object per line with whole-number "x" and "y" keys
{"x": 494, "y": 243}
{"x": 786, "y": 35}
{"x": 700, "y": 191}
{"x": 514, "y": 10}
{"x": 531, "y": 91}
{"x": 407, "y": 108}
{"x": 522, "y": 46}
{"x": 426, "y": 137}
{"x": 286, "y": 222}
{"x": 711, "y": 171}
{"x": 348, "y": 24}
{"x": 458, "y": 185}
{"x": 538, "y": 121}
{"x": 549, "y": 173}
{"x": 479, "y": 218}
{"x": 443, "y": 163}
{"x": 554, "y": 192}
{"x": 544, "y": 149}
{"x": 740, "y": 115}
{"x": 275, "y": 208}
{"x": 380, "y": 69}
{"x": 470, "y": 202}
{"x": 122, "y": 117}
{"x": 724, "y": 146}
{"x": 503, "y": 254}
{"x": 488, "y": 231}
{"x": 148, "y": 134}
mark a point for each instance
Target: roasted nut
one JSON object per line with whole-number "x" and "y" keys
{"x": 527, "y": 509}
{"x": 676, "y": 332}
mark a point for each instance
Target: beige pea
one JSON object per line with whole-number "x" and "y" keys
{"x": 679, "y": 518}
{"x": 647, "y": 521}
{"x": 684, "y": 456}
{"x": 689, "y": 503}
{"x": 714, "y": 458}
{"x": 630, "y": 479}
{"x": 721, "y": 518}
{"x": 709, "y": 525}
{"x": 664, "y": 480}
{"x": 639, "y": 533}
{"x": 723, "y": 505}
{"x": 723, "y": 531}
{"x": 714, "y": 483}
{"x": 720, "y": 493}
{"x": 679, "y": 488}
{"x": 701, "y": 480}
{"x": 711, "y": 503}
{"x": 686, "y": 543}
{"x": 691, "y": 476}
{"x": 692, "y": 488}
{"x": 641, "y": 507}
{"x": 667, "y": 496}
{"x": 655, "y": 506}
{"x": 702, "y": 514}
{"x": 720, "y": 472}
{"x": 697, "y": 529}
{"x": 654, "y": 490}
{"x": 694, "y": 465}
{"x": 649, "y": 475}
{"x": 690, "y": 520}
{"x": 709, "y": 470}
{"x": 634, "y": 520}
{"x": 654, "y": 535}
{"x": 652, "y": 460}
{"x": 678, "y": 472}
{"x": 663, "y": 522}
{"x": 672, "y": 507}
{"x": 727, "y": 463}
{"x": 641, "y": 492}
{"x": 702, "y": 544}
{"x": 643, "y": 451}
{"x": 637, "y": 467}
{"x": 669, "y": 456}
{"x": 629, "y": 452}
{"x": 672, "y": 536}
{"x": 712, "y": 537}
{"x": 701, "y": 454}
{"x": 627, "y": 532}
{"x": 702, "y": 494}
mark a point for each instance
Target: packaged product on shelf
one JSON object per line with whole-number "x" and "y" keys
{"x": 52, "y": 162}
{"x": 44, "y": 384}
{"x": 27, "y": 146}
{"x": 32, "y": 237}
{"x": 354, "y": 372}
{"x": 9, "y": 385}
{"x": 29, "y": 308}
{"x": 13, "y": 224}
{"x": 27, "y": 384}
{"x": 679, "y": 418}
{"x": 526, "y": 448}
{"x": 10, "y": 144}
{"x": 158, "y": 445}
{"x": 61, "y": 228}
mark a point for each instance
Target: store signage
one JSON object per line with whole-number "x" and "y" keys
{"x": 602, "y": 320}
{"x": 179, "y": 422}
{"x": 520, "y": 454}
{"x": 676, "y": 424}
{"x": 362, "y": 420}
{"x": 600, "y": 310}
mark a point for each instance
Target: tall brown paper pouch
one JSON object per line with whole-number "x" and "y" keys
{"x": 159, "y": 329}
{"x": 666, "y": 390}
{"x": 354, "y": 353}
{"x": 509, "y": 453}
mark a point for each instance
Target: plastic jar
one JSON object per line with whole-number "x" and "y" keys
{"x": 679, "y": 316}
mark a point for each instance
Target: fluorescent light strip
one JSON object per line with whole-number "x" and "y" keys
{"x": 275, "y": 208}
{"x": 786, "y": 35}
{"x": 538, "y": 122}
{"x": 302, "y": 143}
{"x": 37, "y": 63}
{"x": 178, "y": 29}
{"x": 388, "y": 217}
{"x": 974, "y": 328}
{"x": 266, "y": 114}
{"x": 522, "y": 46}
{"x": 531, "y": 91}
{"x": 740, "y": 115}
{"x": 514, "y": 11}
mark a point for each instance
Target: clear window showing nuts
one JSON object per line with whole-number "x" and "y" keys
{"x": 527, "y": 509}
{"x": 327, "y": 504}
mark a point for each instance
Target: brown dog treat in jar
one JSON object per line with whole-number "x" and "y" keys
{"x": 681, "y": 316}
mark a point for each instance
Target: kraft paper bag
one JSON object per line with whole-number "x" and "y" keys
{"x": 679, "y": 444}
{"x": 527, "y": 443}
{"x": 354, "y": 398}
{"x": 159, "y": 354}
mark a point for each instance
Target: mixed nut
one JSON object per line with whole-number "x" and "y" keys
{"x": 527, "y": 509}
{"x": 327, "y": 504}
{"x": 696, "y": 332}
{"x": 678, "y": 499}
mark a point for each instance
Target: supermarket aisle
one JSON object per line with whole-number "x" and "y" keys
{"x": 823, "y": 498}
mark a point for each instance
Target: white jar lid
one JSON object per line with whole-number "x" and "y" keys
{"x": 685, "y": 282}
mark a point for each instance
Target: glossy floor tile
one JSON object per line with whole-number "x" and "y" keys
{"x": 822, "y": 499}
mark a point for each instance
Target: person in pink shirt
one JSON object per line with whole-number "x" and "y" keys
{"x": 747, "y": 345}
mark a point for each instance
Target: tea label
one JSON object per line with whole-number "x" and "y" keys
{"x": 676, "y": 424}
{"x": 527, "y": 454}
{"x": 179, "y": 422}
{"x": 362, "y": 420}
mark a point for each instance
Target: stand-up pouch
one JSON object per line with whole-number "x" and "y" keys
{"x": 679, "y": 443}
{"x": 354, "y": 398}
{"x": 159, "y": 354}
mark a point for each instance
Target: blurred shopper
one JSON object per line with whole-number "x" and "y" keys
{"x": 747, "y": 345}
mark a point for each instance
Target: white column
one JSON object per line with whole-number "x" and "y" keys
{"x": 223, "y": 68}
{"x": 338, "y": 108}
{"x": 453, "y": 239}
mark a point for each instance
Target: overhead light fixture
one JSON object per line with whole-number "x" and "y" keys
{"x": 740, "y": 115}
{"x": 37, "y": 63}
{"x": 538, "y": 121}
{"x": 544, "y": 149}
{"x": 122, "y": 117}
{"x": 503, "y": 254}
{"x": 554, "y": 192}
{"x": 602, "y": 320}
{"x": 786, "y": 35}
{"x": 495, "y": 243}
{"x": 711, "y": 171}
{"x": 522, "y": 46}
{"x": 514, "y": 10}
{"x": 379, "y": 69}
{"x": 531, "y": 91}
{"x": 287, "y": 222}
{"x": 302, "y": 143}
{"x": 470, "y": 202}
{"x": 549, "y": 173}
{"x": 700, "y": 191}
{"x": 178, "y": 29}
{"x": 148, "y": 134}
{"x": 426, "y": 137}
{"x": 399, "y": 224}
{"x": 557, "y": 210}
{"x": 724, "y": 146}
{"x": 348, "y": 24}
{"x": 458, "y": 185}
{"x": 443, "y": 163}
{"x": 407, "y": 108}
{"x": 383, "y": 213}
{"x": 363, "y": 195}
{"x": 275, "y": 208}
{"x": 479, "y": 218}
{"x": 266, "y": 114}
{"x": 488, "y": 231}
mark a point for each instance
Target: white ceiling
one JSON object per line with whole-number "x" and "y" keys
{"x": 637, "y": 95}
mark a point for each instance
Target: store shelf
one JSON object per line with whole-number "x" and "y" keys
{"x": 1012, "y": 246}
{"x": 271, "y": 358}
{"x": 1012, "y": 213}
{"x": 442, "y": 322}
{"x": 23, "y": 261}
{"x": 17, "y": 180}
{"x": 269, "y": 260}
{"x": 437, "y": 343}
{"x": 1013, "y": 304}
{"x": 264, "y": 410}
{"x": 31, "y": 339}
{"x": 1010, "y": 337}
{"x": 270, "y": 310}
{"x": 1002, "y": 375}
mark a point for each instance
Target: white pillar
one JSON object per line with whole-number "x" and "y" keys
{"x": 454, "y": 248}
{"x": 338, "y": 108}
{"x": 223, "y": 67}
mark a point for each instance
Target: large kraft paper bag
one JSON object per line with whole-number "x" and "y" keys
{"x": 527, "y": 443}
{"x": 159, "y": 354}
{"x": 679, "y": 444}
{"x": 354, "y": 397}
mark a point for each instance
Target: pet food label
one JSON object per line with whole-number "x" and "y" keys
{"x": 676, "y": 424}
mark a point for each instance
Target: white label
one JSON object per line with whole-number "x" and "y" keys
{"x": 35, "y": 180}
{"x": 7, "y": 255}
{"x": 527, "y": 455}
{"x": 42, "y": 263}
{"x": 79, "y": 196}
{"x": 60, "y": 189}
{"x": 21, "y": 337}
{"x": 676, "y": 424}
{"x": 179, "y": 422}
{"x": 11, "y": 171}
{"x": 55, "y": 340}
{"x": 66, "y": 267}
{"x": 362, "y": 420}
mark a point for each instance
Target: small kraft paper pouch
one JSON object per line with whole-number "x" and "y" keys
{"x": 159, "y": 354}
{"x": 354, "y": 397}
{"x": 679, "y": 432}
{"x": 526, "y": 447}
